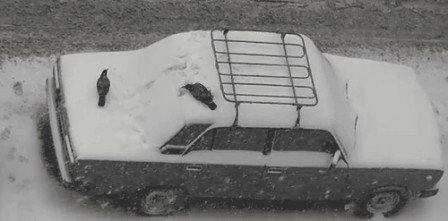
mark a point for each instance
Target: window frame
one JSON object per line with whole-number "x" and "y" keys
{"x": 269, "y": 142}
{"x": 214, "y": 129}
{"x": 327, "y": 133}
{"x": 184, "y": 148}
{"x": 337, "y": 143}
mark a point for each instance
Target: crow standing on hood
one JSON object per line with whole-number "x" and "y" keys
{"x": 102, "y": 85}
{"x": 202, "y": 94}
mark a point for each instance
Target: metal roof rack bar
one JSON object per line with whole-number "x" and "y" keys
{"x": 265, "y": 84}
{"x": 282, "y": 36}
{"x": 235, "y": 122}
{"x": 257, "y": 42}
{"x": 271, "y": 96}
{"x": 261, "y": 55}
{"x": 311, "y": 76}
{"x": 237, "y": 74}
{"x": 269, "y": 102}
{"x": 264, "y": 76}
{"x": 264, "y": 64}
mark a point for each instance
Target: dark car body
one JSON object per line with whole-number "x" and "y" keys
{"x": 261, "y": 181}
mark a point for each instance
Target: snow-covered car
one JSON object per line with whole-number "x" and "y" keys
{"x": 243, "y": 114}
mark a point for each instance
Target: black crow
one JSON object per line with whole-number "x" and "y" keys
{"x": 103, "y": 85}
{"x": 202, "y": 94}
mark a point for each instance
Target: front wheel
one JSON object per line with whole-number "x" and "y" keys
{"x": 161, "y": 202}
{"x": 387, "y": 202}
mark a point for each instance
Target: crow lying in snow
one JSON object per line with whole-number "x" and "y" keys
{"x": 103, "y": 85}
{"x": 202, "y": 94}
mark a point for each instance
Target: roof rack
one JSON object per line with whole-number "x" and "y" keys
{"x": 263, "y": 67}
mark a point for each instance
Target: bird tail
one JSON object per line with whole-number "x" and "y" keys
{"x": 212, "y": 105}
{"x": 102, "y": 101}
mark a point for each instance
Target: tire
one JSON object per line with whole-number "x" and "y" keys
{"x": 387, "y": 201}
{"x": 161, "y": 202}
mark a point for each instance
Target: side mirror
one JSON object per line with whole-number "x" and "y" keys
{"x": 337, "y": 156}
{"x": 173, "y": 149}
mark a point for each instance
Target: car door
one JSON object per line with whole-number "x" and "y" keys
{"x": 297, "y": 167}
{"x": 226, "y": 162}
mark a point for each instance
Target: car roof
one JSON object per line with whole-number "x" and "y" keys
{"x": 146, "y": 105}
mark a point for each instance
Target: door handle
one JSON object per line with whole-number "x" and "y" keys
{"x": 276, "y": 170}
{"x": 194, "y": 168}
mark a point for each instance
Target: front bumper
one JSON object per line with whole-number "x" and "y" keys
{"x": 428, "y": 193}
{"x": 56, "y": 133}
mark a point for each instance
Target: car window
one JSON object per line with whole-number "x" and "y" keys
{"x": 187, "y": 134}
{"x": 304, "y": 140}
{"x": 205, "y": 141}
{"x": 299, "y": 159}
{"x": 235, "y": 138}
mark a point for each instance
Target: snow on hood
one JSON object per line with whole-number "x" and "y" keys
{"x": 396, "y": 126}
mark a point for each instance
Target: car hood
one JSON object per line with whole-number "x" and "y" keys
{"x": 395, "y": 125}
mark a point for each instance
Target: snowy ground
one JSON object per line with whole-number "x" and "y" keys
{"x": 29, "y": 192}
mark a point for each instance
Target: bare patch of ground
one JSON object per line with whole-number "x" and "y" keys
{"x": 44, "y": 27}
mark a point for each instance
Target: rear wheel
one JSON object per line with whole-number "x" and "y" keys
{"x": 162, "y": 202}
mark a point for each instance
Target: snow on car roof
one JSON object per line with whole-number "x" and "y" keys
{"x": 145, "y": 106}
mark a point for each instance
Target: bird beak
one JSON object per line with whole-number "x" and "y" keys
{"x": 182, "y": 91}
